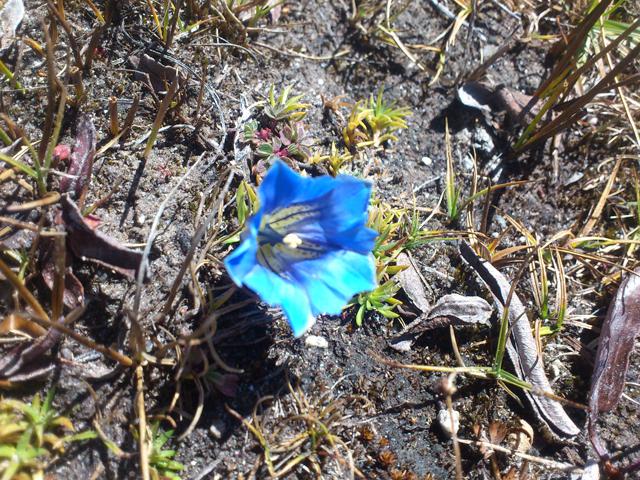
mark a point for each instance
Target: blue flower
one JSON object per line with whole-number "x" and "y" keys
{"x": 307, "y": 248}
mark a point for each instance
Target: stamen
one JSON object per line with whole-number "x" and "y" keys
{"x": 292, "y": 240}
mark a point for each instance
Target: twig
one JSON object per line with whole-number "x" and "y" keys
{"x": 143, "y": 445}
{"x": 564, "y": 467}
{"x": 162, "y": 111}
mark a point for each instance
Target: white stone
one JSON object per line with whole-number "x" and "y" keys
{"x": 316, "y": 341}
{"x": 444, "y": 419}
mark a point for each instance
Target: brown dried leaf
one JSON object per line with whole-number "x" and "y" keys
{"x": 514, "y": 102}
{"x": 149, "y": 69}
{"x": 617, "y": 337}
{"x": 81, "y": 163}
{"x": 481, "y": 97}
{"x": 25, "y": 362}
{"x": 521, "y": 348}
{"x": 497, "y": 432}
{"x": 410, "y": 281}
{"x": 88, "y": 243}
{"x": 462, "y": 310}
{"x": 453, "y": 309}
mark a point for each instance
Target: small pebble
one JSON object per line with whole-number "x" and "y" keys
{"x": 445, "y": 421}
{"x": 316, "y": 341}
{"x": 216, "y": 429}
{"x": 426, "y": 160}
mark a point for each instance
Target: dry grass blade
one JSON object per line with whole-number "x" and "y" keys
{"x": 23, "y": 291}
{"x": 143, "y": 440}
{"x": 162, "y": 111}
{"x": 597, "y": 211}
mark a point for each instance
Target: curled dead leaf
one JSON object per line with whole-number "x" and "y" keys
{"x": 452, "y": 309}
{"x": 85, "y": 242}
{"x": 80, "y": 168}
{"x": 617, "y": 337}
{"x": 411, "y": 283}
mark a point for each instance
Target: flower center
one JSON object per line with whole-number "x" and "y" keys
{"x": 292, "y": 240}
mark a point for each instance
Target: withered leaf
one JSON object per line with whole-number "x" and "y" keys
{"x": 81, "y": 162}
{"x": 91, "y": 244}
{"x": 411, "y": 283}
{"x": 462, "y": 310}
{"x": 26, "y": 362}
{"x": 617, "y": 337}
{"x": 453, "y": 309}
{"x": 476, "y": 95}
{"x": 482, "y": 97}
{"x": 149, "y": 69}
{"x": 521, "y": 347}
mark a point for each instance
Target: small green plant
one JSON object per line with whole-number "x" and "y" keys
{"x": 389, "y": 223}
{"x": 381, "y": 300}
{"x": 246, "y": 201}
{"x": 278, "y": 131}
{"x": 161, "y": 462}
{"x": 21, "y": 458}
{"x": 283, "y": 108}
{"x": 30, "y": 432}
{"x": 334, "y": 160}
{"x": 374, "y": 122}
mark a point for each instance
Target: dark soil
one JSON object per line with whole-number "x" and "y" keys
{"x": 387, "y": 417}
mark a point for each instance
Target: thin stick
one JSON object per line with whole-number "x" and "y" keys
{"x": 22, "y": 291}
{"x": 564, "y": 467}
{"x": 162, "y": 111}
{"x": 143, "y": 445}
{"x": 106, "y": 351}
{"x": 195, "y": 241}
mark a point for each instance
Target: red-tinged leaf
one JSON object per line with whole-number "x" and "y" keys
{"x": 619, "y": 331}
{"x": 150, "y": 70}
{"x": 93, "y": 221}
{"x": 81, "y": 163}
{"x": 85, "y": 242}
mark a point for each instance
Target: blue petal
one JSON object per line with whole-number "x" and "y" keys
{"x": 282, "y": 187}
{"x": 330, "y": 282}
{"x": 276, "y": 291}
{"x": 349, "y": 201}
{"x": 242, "y": 260}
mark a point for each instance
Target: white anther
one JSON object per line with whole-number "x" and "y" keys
{"x": 292, "y": 240}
